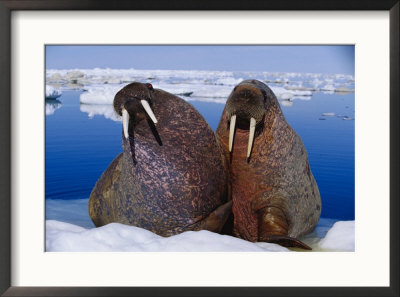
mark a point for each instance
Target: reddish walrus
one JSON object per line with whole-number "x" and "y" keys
{"x": 171, "y": 176}
{"x": 275, "y": 196}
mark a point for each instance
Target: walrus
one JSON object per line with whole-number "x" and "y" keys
{"x": 171, "y": 176}
{"x": 274, "y": 193}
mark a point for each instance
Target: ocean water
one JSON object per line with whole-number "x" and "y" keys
{"x": 83, "y": 139}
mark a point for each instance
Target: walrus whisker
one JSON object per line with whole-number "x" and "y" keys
{"x": 251, "y": 136}
{"x": 147, "y": 108}
{"x": 232, "y": 131}
{"x": 125, "y": 122}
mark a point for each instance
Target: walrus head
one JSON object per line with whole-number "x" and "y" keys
{"x": 134, "y": 103}
{"x": 244, "y": 110}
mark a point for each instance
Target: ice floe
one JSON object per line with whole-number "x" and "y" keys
{"x": 100, "y": 94}
{"x": 52, "y": 93}
{"x": 286, "y": 103}
{"x": 105, "y": 110}
{"x": 328, "y": 114}
{"x": 332, "y": 114}
{"x": 346, "y": 118}
{"x": 343, "y": 90}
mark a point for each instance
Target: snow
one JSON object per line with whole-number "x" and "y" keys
{"x": 69, "y": 229}
{"x": 52, "y": 93}
{"x": 339, "y": 237}
{"x": 114, "y": 237}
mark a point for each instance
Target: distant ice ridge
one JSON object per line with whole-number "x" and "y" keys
{"x": 104, "y": 94}
{"x": 52, "y": 93}
{"x": 133, "y": 73}
{"x": 65, "y": 237}
{"x": 203, "y": 84}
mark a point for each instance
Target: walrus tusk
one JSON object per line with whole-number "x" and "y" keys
{"x": 147, "y": 108}
{"x": 251, "y": 135}
{"x": 125, "y": 122}
{"x": 231, "y": 131}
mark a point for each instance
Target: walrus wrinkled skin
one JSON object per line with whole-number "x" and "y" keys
{"x": 274, "y": 193}
{"x": 171, "y": 176}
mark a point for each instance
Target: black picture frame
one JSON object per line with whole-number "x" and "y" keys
{"x": 6, "y": 7}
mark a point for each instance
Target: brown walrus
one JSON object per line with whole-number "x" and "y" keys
{"x": 275, "y": 196}
{"x": 171, "y": 176}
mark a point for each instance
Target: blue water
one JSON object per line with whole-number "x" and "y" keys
{"x": 79, "y": 148}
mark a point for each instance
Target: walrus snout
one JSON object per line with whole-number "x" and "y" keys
{"x": 244, "y": 108}
{"x": 136, "y": 111}
{"x": 133, "y": 103}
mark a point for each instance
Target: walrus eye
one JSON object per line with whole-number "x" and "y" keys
{"x": 150, "y": 87}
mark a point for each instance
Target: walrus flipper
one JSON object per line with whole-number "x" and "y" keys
{"x": 286, "y": 241}
{"x": 217, "y": 219}
{"x": 273, "y": 227}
